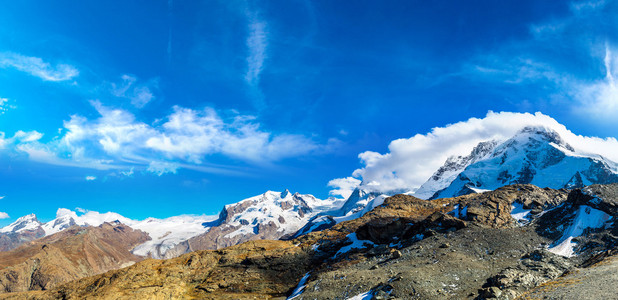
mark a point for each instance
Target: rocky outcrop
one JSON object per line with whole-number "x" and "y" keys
{"x": 71, "y": 254}
{"x": 253, "y": 270}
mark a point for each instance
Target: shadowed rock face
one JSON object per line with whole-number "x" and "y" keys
{"x": 467, "y": 247}
{"x": 71, "y": 254}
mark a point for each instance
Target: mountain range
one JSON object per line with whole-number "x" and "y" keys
{"x": 456, "y": 195}
{"x": 535, "y": 155}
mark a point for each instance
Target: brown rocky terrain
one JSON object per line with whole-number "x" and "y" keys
{"x": 68, "y": 255}
{"x": 12, "y": 240}
{"x": 468, "y": 247}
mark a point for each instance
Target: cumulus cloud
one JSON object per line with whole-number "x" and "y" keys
{"x": 35, "y": 66}
{"x": 139, "y": 94}
{"x": 343, "y": 186}
{"x": 91, "y": 178}
{"x": 4, "y": 215}
{"x": 411, "y": 161}
{"x": 186, "y": 138}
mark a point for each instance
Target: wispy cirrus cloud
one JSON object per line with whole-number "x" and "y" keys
{"x": 139, "y": 94}
{"x": 257, "y": 46}
{"x": 36, "y": 66}
{"x": 569, "y": 61}
{"x": 257, "y": 43}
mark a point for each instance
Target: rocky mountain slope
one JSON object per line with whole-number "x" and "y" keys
{"x": 74, "y": 253}
{"x": 496, "y": 244}
{"x": 535, "y": 155}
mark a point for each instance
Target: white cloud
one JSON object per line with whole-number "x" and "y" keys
{"x": 5, "y": 106}
{"x": 160, "y": 167}
{"x": 2, "y": 197}
{"x": 190, "y": 135}
{"x": 4, "y": 215}
{"x": 139, "y": 94}
{"x": 598, "y": 97}
{"x": 91, "y": 178}
{"x": 257, "y": 42}
{"x": 116, "y": 140}
{"x": 128, "y": 173}
{"x": 570, "y": 61}
{"x": 410, "y": 162}
{"x": 343, "y": 186}
{"x": 81, "y": 210}
{"x": 37, "y": 67}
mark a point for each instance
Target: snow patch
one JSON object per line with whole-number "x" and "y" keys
{"x": 458, "y": 212}
{"x": 478, "y": 190}
{"x": 586, "y": 217}
{"x": 519, "y": 213}
{"x": 363, "y": 296}
{"x": 300, "y": 288}
{"x": 356, "y": 244}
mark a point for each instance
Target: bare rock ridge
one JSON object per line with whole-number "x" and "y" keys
{"x": 70, "y": 254}
{"x": 499, "y": 244}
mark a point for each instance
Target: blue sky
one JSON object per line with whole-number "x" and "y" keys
{"x": 160, "y": 108}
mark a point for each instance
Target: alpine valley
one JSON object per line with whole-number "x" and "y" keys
{"x": 529, "y": 216}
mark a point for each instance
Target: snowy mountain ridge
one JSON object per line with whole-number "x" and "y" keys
{"x": 536, "y": 155}
{"x": 164, "y": 233}
{"x": 25, "y": 223}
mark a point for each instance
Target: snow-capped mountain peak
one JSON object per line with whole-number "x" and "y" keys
{"x": 25, "y": 223}
{"x": 452, "y": 167}
{"x": 537, "y": 155}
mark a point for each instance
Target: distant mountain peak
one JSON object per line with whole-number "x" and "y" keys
{"x": 25, "y": 223}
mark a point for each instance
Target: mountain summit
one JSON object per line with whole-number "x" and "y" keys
{"x": 536, "y": 155}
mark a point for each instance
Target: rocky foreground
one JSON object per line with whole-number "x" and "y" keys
{"x": 517, "y": 241}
